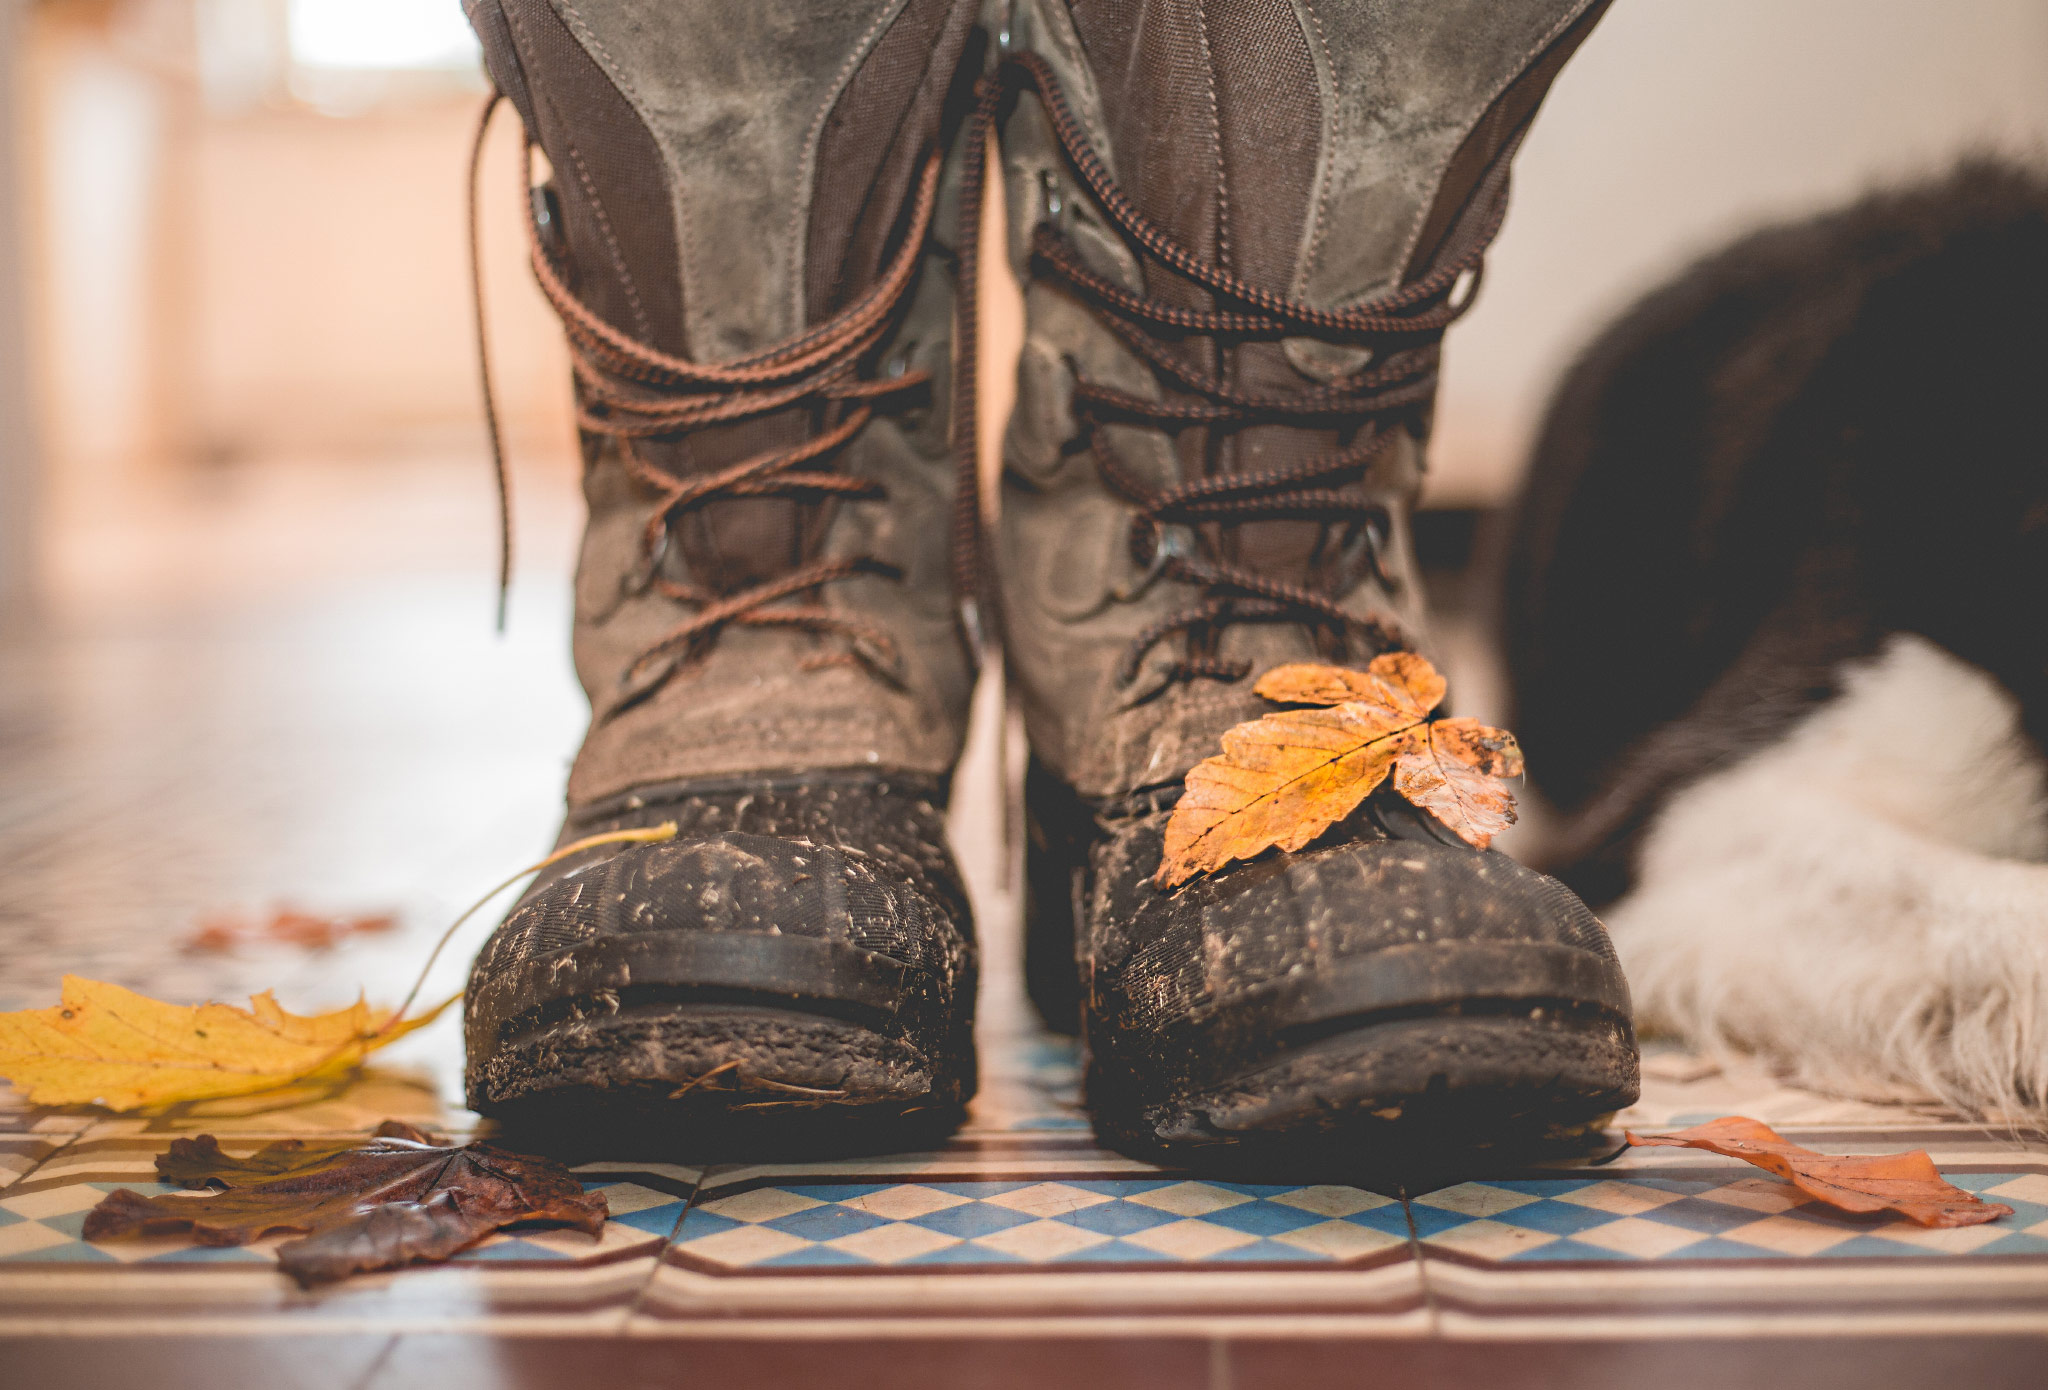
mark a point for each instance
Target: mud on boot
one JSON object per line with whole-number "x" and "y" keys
{"x": 795, "y": 958}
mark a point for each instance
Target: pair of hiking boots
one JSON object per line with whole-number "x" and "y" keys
{"x": 1242, "y": 228}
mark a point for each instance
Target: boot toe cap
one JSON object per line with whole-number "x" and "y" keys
{"x": 1351, "y": 979}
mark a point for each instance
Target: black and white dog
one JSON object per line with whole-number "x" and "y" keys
{"x": 1776, "y": 615}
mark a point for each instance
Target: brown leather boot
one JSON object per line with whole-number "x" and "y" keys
{"x": 734, "y": 226}
{"x": 1243, "y": 228}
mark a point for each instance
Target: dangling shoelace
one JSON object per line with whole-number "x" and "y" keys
{"x": 632, "y": 391}
{"x": 1401, "y": 327}
{"x": 629, "y": 392}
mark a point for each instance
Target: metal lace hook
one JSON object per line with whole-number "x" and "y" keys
{"x": 880, "y": 658}
{"x": 638, "y": 580}
{"x": 1171, "y": 543}
{"x": 637, "y": 685}
{"x": 1376, "y": 557}
{"x": 1049, "y": 187}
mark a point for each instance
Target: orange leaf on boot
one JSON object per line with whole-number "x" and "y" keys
{"x": 1454, "y": 775}
{"x": 1284, "y": 779}
{"x": 1906, "y": 1183}
{"x": 1399, "y": 683}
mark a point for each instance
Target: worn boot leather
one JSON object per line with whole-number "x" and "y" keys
{"x": 1242, "y": 228}
{"x": 733, "y": 223}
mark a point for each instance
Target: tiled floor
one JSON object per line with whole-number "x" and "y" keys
{"x": 356, "y": 745}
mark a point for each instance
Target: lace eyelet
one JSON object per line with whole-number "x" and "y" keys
{"x": 640, "y": 578}
{"x": 1376, "y": 534}
{"x": 547, "y": 220}
{"x": 1170, "y": 542}
{"x": 1049, "y": 190}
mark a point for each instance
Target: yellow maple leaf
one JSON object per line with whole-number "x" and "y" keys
{"x": 105, "y": 1045}
{"x": 110, "y": 1046}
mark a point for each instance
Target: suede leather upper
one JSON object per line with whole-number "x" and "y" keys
{"x": 1405, "y": 89}
{"x": 684, "y": 145}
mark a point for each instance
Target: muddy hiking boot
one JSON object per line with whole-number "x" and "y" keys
{"x": 1242, "y": 229}
{"x": 732, "y": 212}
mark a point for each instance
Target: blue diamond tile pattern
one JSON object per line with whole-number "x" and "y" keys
{"x": 1641, "y": 1217}
{"x": 45, "y": 1227}
{"x": 1164, "y": 1222}
{"x": 1170, "y": 1222}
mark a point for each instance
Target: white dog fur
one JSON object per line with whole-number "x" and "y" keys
{"x": 1865, "y": 902}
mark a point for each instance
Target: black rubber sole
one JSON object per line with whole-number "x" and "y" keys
{"x": 713, "y": 1080}
{"x": 1393, "y": 1098}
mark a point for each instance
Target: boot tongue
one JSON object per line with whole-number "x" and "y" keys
{"x": 731, "y": 115}
{"x": 1216, "y": 126}
{"x": 862, "y": 146}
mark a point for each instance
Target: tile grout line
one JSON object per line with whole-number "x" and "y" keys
{"x": 377, "y": 1362}
{"x": 1220, "y": 1377}
{"x": 46, "y": 1159}
{"x": 654, "y": 1271}
{"x": 1416, "y": 1253}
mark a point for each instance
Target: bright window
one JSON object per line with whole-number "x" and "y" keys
{"x": 381, "y": 34}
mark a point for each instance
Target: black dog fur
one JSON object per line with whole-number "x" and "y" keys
{"x": 1829, "y": 432}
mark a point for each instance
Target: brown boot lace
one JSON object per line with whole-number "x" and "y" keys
{"x": 630, "y": 392}
{"x": 1402, "y": 329}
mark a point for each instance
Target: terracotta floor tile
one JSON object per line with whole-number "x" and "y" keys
{"x": 841, "y": 1363}
{"x": 298, "y": 1362}
{"x": 1778, "y": 1363}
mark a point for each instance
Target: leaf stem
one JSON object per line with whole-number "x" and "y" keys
{"x": 649, "y": 835}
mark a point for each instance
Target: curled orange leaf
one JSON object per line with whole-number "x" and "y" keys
{"x": 1907, "y": 1183}
{"x": 1454, "y": 774}
{"x": 1399, "y": 683}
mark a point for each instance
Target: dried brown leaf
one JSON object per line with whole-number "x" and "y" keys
{"x": 214, "y": 934}
{"x": 1907, "y": 1183}
{"x": 223, "y": 932}
{"x": 398, "y": 1198}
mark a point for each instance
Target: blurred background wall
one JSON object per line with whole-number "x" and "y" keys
{"x": 245, "y": 246}
{"x": 1680, "y": 124}
{"x": 241, "y": 228}
{"x": 18, "y": 455}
